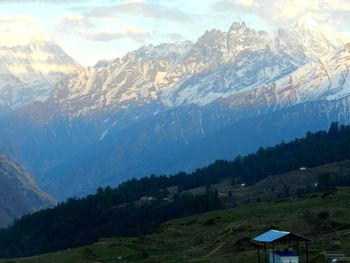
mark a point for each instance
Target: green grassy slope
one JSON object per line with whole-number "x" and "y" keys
{"x": 224, "y": 236}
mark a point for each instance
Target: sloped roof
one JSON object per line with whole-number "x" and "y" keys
{"x": 274, "y": 235}
{"x": 271, "y": 236}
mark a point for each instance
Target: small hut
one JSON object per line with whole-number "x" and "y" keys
{"x": 271, "y": 241}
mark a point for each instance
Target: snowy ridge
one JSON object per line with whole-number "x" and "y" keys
{"x": 218, "y": 65}
{"x": 325, "y": 79}
{"x": 29, "y": 73}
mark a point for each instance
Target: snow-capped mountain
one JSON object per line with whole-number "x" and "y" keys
{"x": 327, "y": 79}
{"x": 309, "y": 38}
{"x": 217, "y": 65}
{"x": 159, "y": 108}
{"x": 30, "y": 72}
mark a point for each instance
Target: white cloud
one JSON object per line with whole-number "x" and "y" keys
{"x": 21, "y": 30}
{"x": 146, "y": 9}
{"x": 174, "y": 36}
{"x": 75, "y": 23}
{"x": 137, "y": 34}
{"x": 346, "y": 35}
{"x": 103, "y": 36}
{"x": 244, "y": 2}
{"x": 93, "y": 23}
{"x": 54, "y": 2}
{"x": 84, "y": 27}
{"x": 286, "y": 11}
{"x": 133, "y": 29}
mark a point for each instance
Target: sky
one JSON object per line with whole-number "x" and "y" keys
{"x": 91, "y": 30}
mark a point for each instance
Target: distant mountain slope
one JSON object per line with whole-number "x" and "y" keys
{"x": 327, "y": 79}
{"x": 29, "y": 72}
{"x": 217, "y": 65}
{"x": 19, "y": 194}
{"x": 159, "y": 108}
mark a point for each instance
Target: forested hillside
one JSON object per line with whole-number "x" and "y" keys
{"x": 225, "y": 236}
{"x": 137, "y": 207}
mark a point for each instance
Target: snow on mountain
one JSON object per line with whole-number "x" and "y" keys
{"x": 138, "y": 77}
{"x": 327, "y": 79}
{"x": 29, "y": 72}
{"x": 258, "y": 58}
{"x": 146, "y": 112}
{"x": 219, "y": 64}
{"x": 309, "y": 37}
{"x": 240, "y": 38}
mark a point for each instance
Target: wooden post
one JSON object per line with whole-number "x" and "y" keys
{"x": 273, "y": 252}
{"x": 288, "y": 242}
{"x": 266, "y": 254}
{"x": 307, "y": 252}
{"x": 258, "y": 247}
{"x": 298, "y": 247}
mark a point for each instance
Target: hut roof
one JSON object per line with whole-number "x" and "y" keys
{"x": 275, "y": 235}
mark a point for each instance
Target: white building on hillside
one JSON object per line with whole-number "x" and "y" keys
{"x": 283, "y": 257}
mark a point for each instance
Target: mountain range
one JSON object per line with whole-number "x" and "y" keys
{"x": 177, "y": 106}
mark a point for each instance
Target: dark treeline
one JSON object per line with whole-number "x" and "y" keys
{"x": 81, "y": 222}
{"x": 313, "y": 150}
{"x": 114, "y": 212}
{"x": 327, "y": 181}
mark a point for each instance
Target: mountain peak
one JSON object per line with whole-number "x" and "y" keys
{"x": 307, "y": 22}
{"x": 31, "y": 70}
{"x": 318, "y": 35}
{"x": 238, "y": 26}
{"x": 43, "y": 43}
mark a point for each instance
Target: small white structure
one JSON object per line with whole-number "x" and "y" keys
{"x": 147, "y": 198}
{"x": 288, "y": 255}
{"x": 283, "y": 257}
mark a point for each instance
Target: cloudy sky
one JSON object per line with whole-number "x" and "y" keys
{"x": 90, "y": 30}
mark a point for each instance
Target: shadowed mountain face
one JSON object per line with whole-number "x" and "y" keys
{"x": 178, "y": 106}
{"x": 19, "y": 195}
